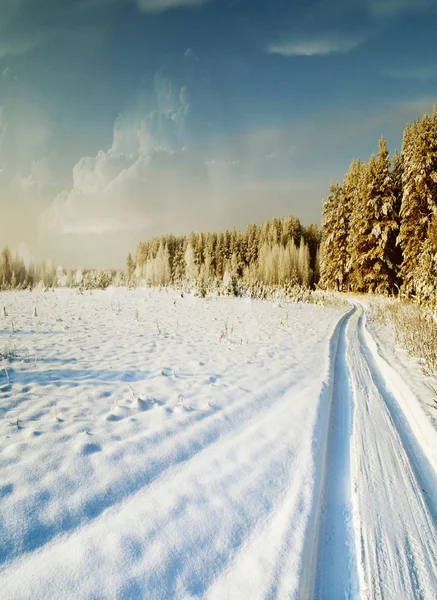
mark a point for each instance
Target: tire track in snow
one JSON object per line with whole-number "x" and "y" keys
{"x": 377, "y": 533}
{"x": 328, "y": 445}
{"x": 423, "y": 468}
{"x": 336, "y": 574}
{"x": 395, "y": 530}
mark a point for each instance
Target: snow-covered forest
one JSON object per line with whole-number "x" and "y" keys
{"x": 279, "y": 252}
{"x": 15, "y": 274}
{"x": 380, "y": 225}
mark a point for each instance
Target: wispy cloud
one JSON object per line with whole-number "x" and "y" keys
{"x": 163, "y": 5}
{"x": 319, "y": 46}
{"x": 337, "y": 26}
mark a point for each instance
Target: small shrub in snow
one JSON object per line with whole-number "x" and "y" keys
{"x": 415, "y": 329}
{"x": 8, "y": 353}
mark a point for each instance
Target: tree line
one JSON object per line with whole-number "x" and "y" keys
{"x": 379, "y": 226}
{"x": 280, "y": 251}
{"x": 14, "y": 274}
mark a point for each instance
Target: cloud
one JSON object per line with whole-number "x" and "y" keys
{"x": 155, "y": 6}
{"x": 153, "y": 180}
{"x": 145, "y": 177}
{"x": 41, "y": 180}
{"x": 337, "y": 26}
{"x": 317, "y": 46}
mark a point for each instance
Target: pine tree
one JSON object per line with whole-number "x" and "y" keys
{"x": 191, "y": 269}
{"x": 130, "y": 267}
{"x": 380, "y": 259}
{"x": 426, "y": 285}
{"x": 397, "y": 169}
{"x": 5, "y": 267}
{"x": 303, "y": 265}
{"x": 419, "y": 200}
{"x": 355, "y": 190}
{"x": 334, "y": 249}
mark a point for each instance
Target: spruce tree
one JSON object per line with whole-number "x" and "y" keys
{"x": 355, "y": 187}
{"x": 130, "y": 267}
{"x": 419, "y": 199}
{"x": 334, "y": 249}
{"x": 380, "y": 258}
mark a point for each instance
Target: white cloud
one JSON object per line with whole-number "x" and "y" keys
{"x": 41, "y": 180}
{"x": 316, "y": 46}
{"x": 163, "y": 5}
{"x": 153, "y": 181}
{"x": 146, "y": 175}
{"x": 338, "y": 26}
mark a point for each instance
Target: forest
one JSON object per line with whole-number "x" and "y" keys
{"x": 379, "y": 226}
{"x": 278, "y": 252}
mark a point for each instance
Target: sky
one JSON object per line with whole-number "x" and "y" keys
{"x": 125, "y": 119}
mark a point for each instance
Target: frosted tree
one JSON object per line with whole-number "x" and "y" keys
{"x": 157, "y": 270}
{"x": 78, "y": 277}
{"x": 304, "y": 270}
{"x": 162, "y": 267}
{"x": 252, "y": 246}
{"x": 334, "y": 249}
{"x": 5, "y": 267}
{"x": 397, "y": 169}
{"x": 191, "y": 269}
{"x": 426, "y": 277}
{"x": 379, "y": 257}
{"x": 267, "y": 268}
{"x": 419, "y": 199}
{"x": 316, "y": 274}
{"x": 130, "y": 267}
{"x": 268, "y": 253}
{"x": 355, "y": 190}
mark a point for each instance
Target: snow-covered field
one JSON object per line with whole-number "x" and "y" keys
{"x": 160, "y": 447}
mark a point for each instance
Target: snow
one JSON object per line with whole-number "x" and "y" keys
{"x": 166, "y": 447}
{"x": 157, "y": 446}
{"x": 393, "y": 483}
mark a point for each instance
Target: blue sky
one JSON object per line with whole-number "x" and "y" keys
{"x": 122, "y": 119}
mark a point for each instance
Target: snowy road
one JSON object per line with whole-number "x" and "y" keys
{"x": 378, "y": 534}
{"x": 160, "y": 448}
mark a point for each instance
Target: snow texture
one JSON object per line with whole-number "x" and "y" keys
{"x": 165, "y": 447}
